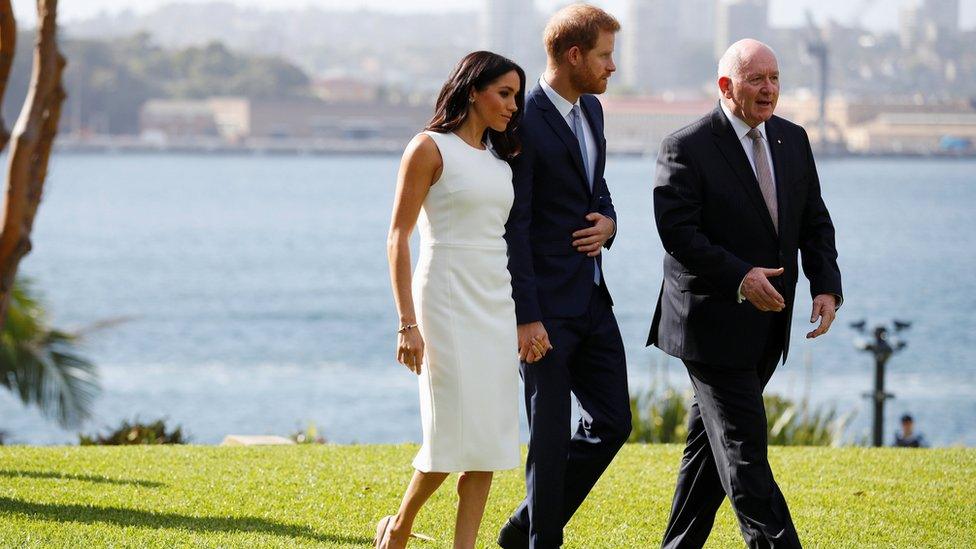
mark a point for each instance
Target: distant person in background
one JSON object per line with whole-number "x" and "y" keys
{"x": 737, "y": 200}
{"x": 457, "y": 317}
{"x": 907, "y": 437}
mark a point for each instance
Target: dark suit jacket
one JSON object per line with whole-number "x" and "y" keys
{"x": 715, "y": 227}
{"x": 550, "y": 278}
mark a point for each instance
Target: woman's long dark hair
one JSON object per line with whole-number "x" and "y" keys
{"x": 477, "y": 71}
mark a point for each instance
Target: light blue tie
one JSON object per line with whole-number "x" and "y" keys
{"x": 581, "y": 139}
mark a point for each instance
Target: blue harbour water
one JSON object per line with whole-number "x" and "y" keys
{"x": 256, "y": 297}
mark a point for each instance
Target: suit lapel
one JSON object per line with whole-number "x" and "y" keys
{"x": 731, "y": 148}
{"x": 777, "y": 147}
{"x": 559, "y": 126}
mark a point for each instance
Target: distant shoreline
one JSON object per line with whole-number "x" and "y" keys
{"x": 379, "y": 149}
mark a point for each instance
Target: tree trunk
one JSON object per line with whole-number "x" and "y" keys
{"x": 8, "y": 46}
{"x": 33, "y": 137}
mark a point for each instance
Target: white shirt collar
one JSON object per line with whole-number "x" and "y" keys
{"x": 562, "y": 105}
{"x": 739, "y": 125}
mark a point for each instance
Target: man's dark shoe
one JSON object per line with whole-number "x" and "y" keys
{"x": 512, "y": 536}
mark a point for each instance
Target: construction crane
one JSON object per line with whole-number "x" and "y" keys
{"x": 816, "y": 47}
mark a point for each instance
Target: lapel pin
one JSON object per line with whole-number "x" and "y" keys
{"x": 779, "y": 142}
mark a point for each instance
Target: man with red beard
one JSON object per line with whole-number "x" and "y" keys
{"x": 569, "y": 342}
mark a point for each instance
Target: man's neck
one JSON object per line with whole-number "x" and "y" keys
{"x": 559, "y": 81}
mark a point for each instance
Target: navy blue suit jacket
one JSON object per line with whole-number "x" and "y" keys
{"x": 550, "y": 278}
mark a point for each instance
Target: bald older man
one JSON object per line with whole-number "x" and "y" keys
{"x": 736, "y": 199}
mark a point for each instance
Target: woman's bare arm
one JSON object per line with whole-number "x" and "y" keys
{"x": 420, "y": 168}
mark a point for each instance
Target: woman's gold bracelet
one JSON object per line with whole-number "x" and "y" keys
{"x": 406, "y": 327}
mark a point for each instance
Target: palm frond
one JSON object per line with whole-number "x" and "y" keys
{"x": 41, "y": 365}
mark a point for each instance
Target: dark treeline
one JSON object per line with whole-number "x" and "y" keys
{"x": 108, "y": 81}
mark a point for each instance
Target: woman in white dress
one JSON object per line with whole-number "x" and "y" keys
{"x": 457, "y": 317}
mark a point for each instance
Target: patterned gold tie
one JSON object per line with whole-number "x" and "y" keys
{"x": 764, "y": 175}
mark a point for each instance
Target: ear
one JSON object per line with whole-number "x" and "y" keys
{"x": 725, "y": 86}
{"x": 574, "y": 55}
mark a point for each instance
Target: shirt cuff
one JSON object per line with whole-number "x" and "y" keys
{"x": 739, "y": 295}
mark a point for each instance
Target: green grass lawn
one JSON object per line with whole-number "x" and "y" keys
{"x": 331, "y": 496}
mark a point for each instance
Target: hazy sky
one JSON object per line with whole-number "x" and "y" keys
{"x": 883, "y": 14}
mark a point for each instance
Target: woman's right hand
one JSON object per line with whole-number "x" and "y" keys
{"x": 538, "y": 349}
{"x": 410, "y": 349}
{"x": 533, "y": 342}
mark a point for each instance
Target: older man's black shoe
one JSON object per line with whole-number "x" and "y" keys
{"x": 512, "y": 536}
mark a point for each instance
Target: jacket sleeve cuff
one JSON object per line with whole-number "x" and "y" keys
{"x": 609, "y": 241}
{"x": 526, "y": 314}
{"x": 734, "y": 276}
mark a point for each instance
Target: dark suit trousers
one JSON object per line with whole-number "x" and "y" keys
{"x": 587, "y": 359}
{"x": 725, "y": 455}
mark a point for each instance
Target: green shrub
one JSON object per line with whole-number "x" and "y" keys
{"x": 136, "y": 433}
{"x": 660, "y": 415}
{"x": 796, "y": 424}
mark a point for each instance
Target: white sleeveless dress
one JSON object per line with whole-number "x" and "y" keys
{"x": 463, "y": 295}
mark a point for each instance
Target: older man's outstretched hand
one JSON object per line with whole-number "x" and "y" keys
{"x": 824, "y": 308}
{"x": 757, "y": 289}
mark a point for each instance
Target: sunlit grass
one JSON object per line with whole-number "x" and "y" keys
{"x": 331, "y": 496}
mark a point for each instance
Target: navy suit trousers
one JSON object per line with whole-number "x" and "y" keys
{"x": 588, "y": 361}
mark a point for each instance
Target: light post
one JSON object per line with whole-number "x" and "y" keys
{"x": 882, "y": 347}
